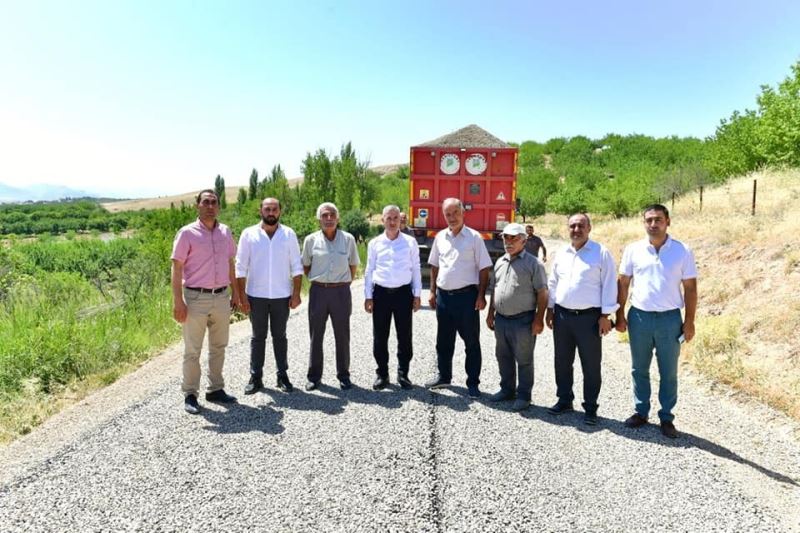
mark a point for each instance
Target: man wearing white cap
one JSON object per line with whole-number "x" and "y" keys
{"x": 516, "y": 315}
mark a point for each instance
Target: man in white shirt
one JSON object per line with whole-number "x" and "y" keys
{"x": 392, "y": 286}
{"x": 269, "y": 271}
{"x": 459, "y": 275}
{"x": 659, "y": 266}
{"x": 582, "y": 295}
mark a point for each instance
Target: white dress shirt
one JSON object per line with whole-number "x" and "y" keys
{"x": 657, "y": 275}
{"x": 269, "y": 264}
{"x": 460, "y": 258}
{"x": 584, "y": 278}
{"x": 392, "y": 263}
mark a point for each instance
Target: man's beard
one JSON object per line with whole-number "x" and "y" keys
{"x": 270, "y": 220}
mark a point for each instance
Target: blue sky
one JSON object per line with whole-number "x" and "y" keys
{"x": 145, "y": 98}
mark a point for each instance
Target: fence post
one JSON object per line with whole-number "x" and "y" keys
{"x": 755, "y": 185}
{"x": 701, "y": 198}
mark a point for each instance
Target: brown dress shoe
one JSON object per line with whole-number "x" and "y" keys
{"x": 635, "y": 420}
{"x": 668, "y": 430}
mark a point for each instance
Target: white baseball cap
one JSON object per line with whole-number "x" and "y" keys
{"x": 514, "y": 229}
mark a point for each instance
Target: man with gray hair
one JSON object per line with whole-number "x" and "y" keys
{"x": 459, "y": 275}
{"x": 330, "y": 260}
{"x": 392, "y": 286}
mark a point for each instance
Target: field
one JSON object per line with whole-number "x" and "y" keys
{"x": 749, "y": 274}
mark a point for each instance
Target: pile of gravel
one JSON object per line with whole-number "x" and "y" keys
{"x": 472, "y": 136}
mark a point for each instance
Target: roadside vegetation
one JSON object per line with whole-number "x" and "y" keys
{"x": 749, "y": 272}
{"x": 76, "y": 311}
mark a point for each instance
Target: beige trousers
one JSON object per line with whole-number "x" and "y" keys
{"x": 205, "y": 311}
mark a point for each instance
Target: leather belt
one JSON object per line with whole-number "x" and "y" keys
{"x": 330, "y": 285}
{"x": 209, "y": 291}
{"x": 458, "y": 291}
{"x": 392, "y": 290}
{"x": 586, "y": 311}
{"x": 514, "y": 317}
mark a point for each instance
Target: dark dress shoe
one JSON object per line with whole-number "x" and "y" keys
{"x": 501, "y": 396}
{"x": 437, "y": 383}
{"x": 380, "y": 383}
{"x": 560, "y": 408}
{"x": 253, "y": 386}
{"x": 220, "y": 396}
{"x": 284, "y": 384}
{"x": 345, "y": 384}
{"x": 404, "y": 382}
{"x": 668, "y": 430}
{"x": 635, "y": 420}
{"x": 473, "y": 391}
{"x": 312, "y": 385}
{"x": 590, "y": 418}
{"x": 190, "y": 404}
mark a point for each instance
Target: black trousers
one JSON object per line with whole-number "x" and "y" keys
{"x": 394, "y": 303}
{"x": 272, "y": 314}
{"x": 581, "y": 331}
{"x": 455, "y": 313}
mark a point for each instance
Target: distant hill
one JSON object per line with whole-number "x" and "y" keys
{"x": 38, "y": 192}
{"x": 188, "y": 198}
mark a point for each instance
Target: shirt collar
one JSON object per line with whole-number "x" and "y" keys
{"x": 199, "y": 224}
{"x": 507, "y": 257}
{"x": 589, "y": 244}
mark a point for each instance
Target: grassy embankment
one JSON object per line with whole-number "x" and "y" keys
{"x": 749, "y": 276}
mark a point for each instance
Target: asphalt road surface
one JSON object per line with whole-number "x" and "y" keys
{"x": 129, "y": 459}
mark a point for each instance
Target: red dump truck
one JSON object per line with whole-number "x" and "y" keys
{"x": 469, "y": 164}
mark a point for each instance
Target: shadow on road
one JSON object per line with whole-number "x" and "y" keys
{"x": 239, "y": 418}
{"x": 649, "y": 433}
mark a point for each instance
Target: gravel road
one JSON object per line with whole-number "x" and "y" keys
{"x": 129, "y": 459}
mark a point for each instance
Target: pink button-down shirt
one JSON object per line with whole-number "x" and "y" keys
{"x": 205, "y": 254}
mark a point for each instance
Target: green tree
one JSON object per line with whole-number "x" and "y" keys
{"x": 355, "y": 223}
{"x": 253, "y": 186}
{"x": 219, "y": 188}
{"x": 242, "y": 199}
{"x": 779, "y": 122}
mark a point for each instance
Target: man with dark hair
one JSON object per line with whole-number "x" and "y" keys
{"x": 658, "y": 267}
{"x": 534, "y": 243}
{"x": 582, "y": 295}
{"x": 269, "y": 273}
{"x": 404, "y": 225}
{"x": 202, "y": 270}
{"x": 459, "y": 275}
{"x": 330, "y": 261}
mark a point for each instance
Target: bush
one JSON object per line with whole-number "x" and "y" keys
{"x": 355, "y": 223}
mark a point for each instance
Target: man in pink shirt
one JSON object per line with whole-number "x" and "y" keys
{"x": 202, "y": 270}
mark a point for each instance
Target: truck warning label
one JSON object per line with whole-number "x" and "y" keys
{"x": 501, "y": 197}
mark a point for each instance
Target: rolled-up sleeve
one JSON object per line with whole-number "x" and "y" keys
{"x": 433, "y": 256}
{"x": 354, "y": 259}
{"x": 484, "y": 261}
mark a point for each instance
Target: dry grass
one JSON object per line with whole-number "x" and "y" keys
{"x": 749, "y": 310}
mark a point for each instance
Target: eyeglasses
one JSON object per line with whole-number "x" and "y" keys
{"x": 208, "y": 202}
